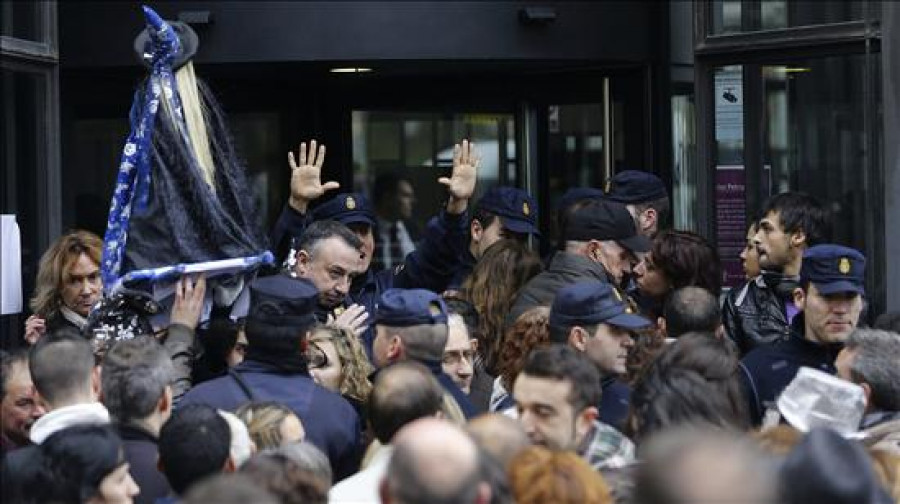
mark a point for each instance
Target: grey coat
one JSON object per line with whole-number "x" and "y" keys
{"x": 565, "y": 269}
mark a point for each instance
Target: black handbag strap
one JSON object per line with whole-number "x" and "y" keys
{"x": 241, "y": 383}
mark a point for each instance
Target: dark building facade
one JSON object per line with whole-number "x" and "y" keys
{"x": 555, "y": 94}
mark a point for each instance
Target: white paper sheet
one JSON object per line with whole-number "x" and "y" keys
{"x": 10, "y": 266}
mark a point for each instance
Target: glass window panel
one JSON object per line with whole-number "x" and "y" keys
{"x": 816, "y": 138}
{"x": 418, "y": 146}
{"x": 731, "y": 16}
{"x": 96, "y": 151}
{"x": 575, "y": 150}
{"x": 684, "y": 168}
{"x": 726, "y": 16}
{"x": 256, "y": 135}
{"x": 23, "y": 140}
{"x": 418, "y": 137}
{"x": 22, "y": 19}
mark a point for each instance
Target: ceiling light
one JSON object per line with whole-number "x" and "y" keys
{"x": 350, "y": 70}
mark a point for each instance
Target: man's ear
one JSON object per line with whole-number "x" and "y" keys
{"x": 799, "y": 298}
{"x": 303, "y": 260}
{"x": 584, "y": 421}
{"x": 595, "y": 251}
{"x": 578, "y": 338}
{"x": 798, "y": 238}
{"x": 648, "y": 218}
{"x": 476, "y": 230}
{"x": 164, "y": 404}
{"x": 395, "y": 348}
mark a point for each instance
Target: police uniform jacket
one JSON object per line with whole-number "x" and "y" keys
{"x": 614, "y": 401}
{"x": 767, "y": 370}
{"x": 330, "y": 422}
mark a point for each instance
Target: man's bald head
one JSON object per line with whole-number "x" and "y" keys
{"x": 434, "y": 462}
{"x": 692, "y": 309}
{"x": 499, "y": 435}
{"x": 403, "y": 392}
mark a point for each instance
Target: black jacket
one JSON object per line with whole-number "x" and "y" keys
{"x": 754, "y": 314}
{"x": 142, "y": 452}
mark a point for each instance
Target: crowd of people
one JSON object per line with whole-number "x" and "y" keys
{"x": 461, "y": 367}
{"x": 473, "y": 371}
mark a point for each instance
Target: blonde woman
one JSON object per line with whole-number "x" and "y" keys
{"x": 337, "y": 361}
{"x": 271, "y": 424}
{"x": 68, "y": 284}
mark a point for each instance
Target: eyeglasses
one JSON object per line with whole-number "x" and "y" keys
{"x": 316, "y": 358}
{"x": 455, "y": 357}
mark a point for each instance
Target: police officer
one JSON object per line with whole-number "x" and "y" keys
{"x": 830, "y": 299}
{"x": 594, "y": 318}
{"x": 645, "y": 196}
{"x": 274, "y": 369}
{"x": 503, "y": 212}
{"x": 411, "y": 324}
{"x": 601, "y": 244}
{"x": 430, "y": 266}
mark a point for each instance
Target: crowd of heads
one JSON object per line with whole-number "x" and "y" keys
{"x": 617, "y": 369}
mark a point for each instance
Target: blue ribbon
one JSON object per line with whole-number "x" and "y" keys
{"x": 133, "y": 181}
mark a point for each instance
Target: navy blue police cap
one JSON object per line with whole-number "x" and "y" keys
{"x": 834, "y": 269}
{"x": 634, "y": 187}
{"x": 410, "y": 307}
{"x": 346, "y": 208}
{"x": 282, "y": 300}
{"x": 516, "y": 208}
{"x": 605, "y": 220}
{"x": 575, "y": 194}
{"x": 587, "y": 303}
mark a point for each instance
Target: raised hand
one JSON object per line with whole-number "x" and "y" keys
{"x": 306, "y": 176}
{"x": 461, "y": 183}
{"x": 35, "y": 327}
{"x": 188, "y": 306}
{"x": 353, "y": 318}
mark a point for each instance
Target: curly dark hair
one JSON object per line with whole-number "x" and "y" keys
{"x": 530, "y": 331}
{"x": 687, "y": 259}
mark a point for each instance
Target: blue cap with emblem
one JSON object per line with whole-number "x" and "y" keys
{"x": 587, "y": 303}
{"x": 346, "y": 208}
{"x": 834, "y": 269}
{"x": 516, "y": 208}
{"x": 635, "y": 187}
{"x": 409, "y": 307}
{"x": 282, "y": 300}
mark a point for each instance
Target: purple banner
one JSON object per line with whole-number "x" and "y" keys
{"x": 731, "y": 218}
